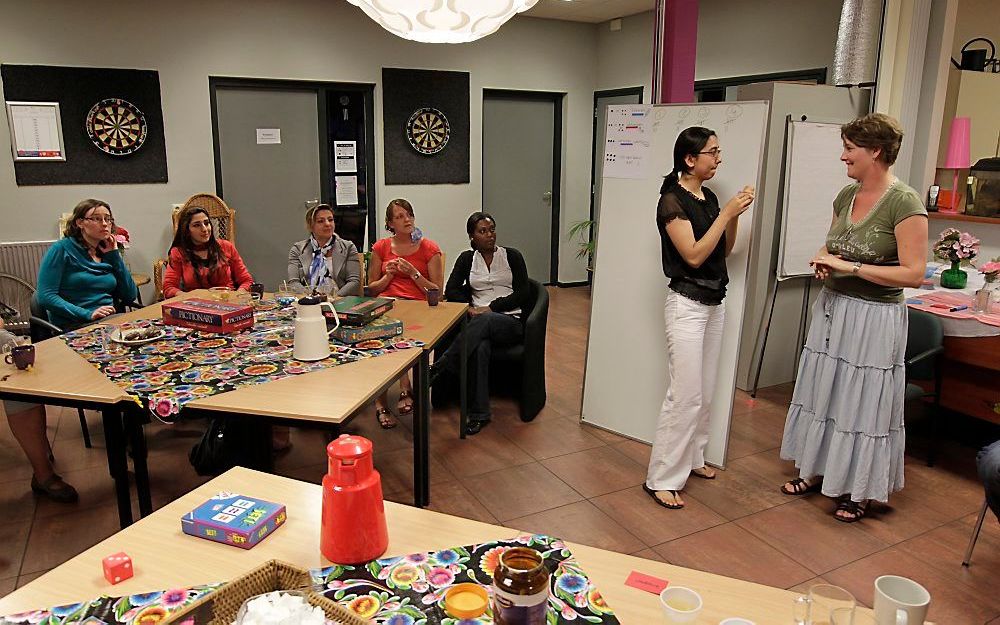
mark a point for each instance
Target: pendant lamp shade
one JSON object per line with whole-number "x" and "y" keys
{"x": 442, "y": 21}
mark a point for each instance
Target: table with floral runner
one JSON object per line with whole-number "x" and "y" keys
{"x": 401, "y": 590}
{"x": 185, "y": 365}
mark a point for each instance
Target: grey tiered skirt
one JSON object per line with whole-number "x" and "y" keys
{"x": 845, "y": 420}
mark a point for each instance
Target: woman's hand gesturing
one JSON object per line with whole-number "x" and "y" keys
{"x": 739, "y": 203}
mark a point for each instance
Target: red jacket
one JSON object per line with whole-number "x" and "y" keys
{"x": 180, "y": 275}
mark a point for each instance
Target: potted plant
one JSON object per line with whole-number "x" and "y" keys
{"x": 958, "y": 248}
{"x": 583, "y": 232}
{"x": 988, "y": 295}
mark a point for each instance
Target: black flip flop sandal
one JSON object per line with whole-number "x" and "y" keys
{"x": 853, "y": 508}
{"x": 652, "y": 493}
{"x": 695, "y": 473}
{"x": 815, "y": 487}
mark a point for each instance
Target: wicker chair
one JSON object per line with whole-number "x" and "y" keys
{"x": 223, "y": 225}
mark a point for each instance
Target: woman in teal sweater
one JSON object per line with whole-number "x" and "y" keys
{"x": 83, "y": 274}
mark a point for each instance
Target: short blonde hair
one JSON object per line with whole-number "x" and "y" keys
{"x": 875, "y": 131}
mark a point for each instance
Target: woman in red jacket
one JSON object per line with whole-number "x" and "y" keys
{"x": 200, "y": 261}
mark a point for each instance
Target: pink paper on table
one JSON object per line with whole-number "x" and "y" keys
{"x": 645, "y": 582}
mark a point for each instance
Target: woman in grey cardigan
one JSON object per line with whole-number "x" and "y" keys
{"x": 324, "y": 256}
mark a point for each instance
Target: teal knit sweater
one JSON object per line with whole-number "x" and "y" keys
{"x": 71, "y": 286}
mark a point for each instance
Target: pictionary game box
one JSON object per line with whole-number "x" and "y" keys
{"x": 208, "y": 316}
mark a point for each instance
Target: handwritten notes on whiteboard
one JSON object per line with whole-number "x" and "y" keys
{"x": 627, "y": 141}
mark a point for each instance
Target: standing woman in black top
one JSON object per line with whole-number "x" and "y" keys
{"x": 695, "y": 238}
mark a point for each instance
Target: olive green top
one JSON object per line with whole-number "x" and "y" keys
{"x": 871, "y": 240}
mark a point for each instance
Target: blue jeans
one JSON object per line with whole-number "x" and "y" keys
{"x": 483, "y": 333}
{"x": 988, "y": 461}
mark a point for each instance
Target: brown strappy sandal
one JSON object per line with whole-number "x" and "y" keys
{"x": 385, "y": 418}
{"x": 407, "y": 408}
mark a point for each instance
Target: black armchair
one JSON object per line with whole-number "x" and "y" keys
{"x": 924, "y": 346}
{"x": 520, "y": 368}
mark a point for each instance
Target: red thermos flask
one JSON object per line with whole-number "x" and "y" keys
{"x": 353, "y": 526}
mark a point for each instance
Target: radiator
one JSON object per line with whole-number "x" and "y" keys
{"x": 19, "y": 275}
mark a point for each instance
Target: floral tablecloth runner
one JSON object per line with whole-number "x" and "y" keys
{"x": 410, "y": 590}
{"x": 939, "y": 304}
{"x": 187, "y": 364}
{"x": 404, "y": 590}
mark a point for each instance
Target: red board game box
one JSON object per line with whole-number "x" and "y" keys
{"x": 208, "y": 316}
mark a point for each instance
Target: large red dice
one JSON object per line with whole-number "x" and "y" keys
{"x": 117, "y": 567}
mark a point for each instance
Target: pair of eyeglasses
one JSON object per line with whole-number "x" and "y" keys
{"x": 101, "y": 220}
{"x": 715, "y": 152}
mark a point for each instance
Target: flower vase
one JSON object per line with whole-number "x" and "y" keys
{"x": 954, "y": 278}
{"x": 986, "y": 298}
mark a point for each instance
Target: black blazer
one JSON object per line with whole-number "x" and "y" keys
{"x": 458, "y": 289}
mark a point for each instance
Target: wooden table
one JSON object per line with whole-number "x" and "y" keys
{"x": 328, "y": 396}
{"x": 164, "y": 557}
{"x": 61, "y": 377}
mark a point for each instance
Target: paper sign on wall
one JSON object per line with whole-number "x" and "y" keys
{"x": 347, "y": 190}
{"x": 268, "y": 136}
{"x": 345, "y": 156}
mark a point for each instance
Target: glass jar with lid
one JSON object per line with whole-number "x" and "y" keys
{"x": 520, "y": 588}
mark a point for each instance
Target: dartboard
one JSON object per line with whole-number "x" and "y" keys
{"x": 116, "y": 126}
{"x": 428, "y": 130}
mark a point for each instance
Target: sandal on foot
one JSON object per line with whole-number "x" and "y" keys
{"x": 703, "y": 473}
{"x": 652, "y": 493}
{"x": 855, "y": 510}
{"x": 405, "y": 408}
{"x": 799, "y": 486}
{"x": 55, "y": 489}
{"x": 385, "y": 418}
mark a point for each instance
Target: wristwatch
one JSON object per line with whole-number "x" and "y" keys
{"x": 857, "y": 267}
{"x": 415, "y": 276}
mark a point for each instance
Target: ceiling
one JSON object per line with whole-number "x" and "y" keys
{"x": 594, "y": 11}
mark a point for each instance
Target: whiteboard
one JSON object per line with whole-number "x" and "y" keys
{"x": 814, "y": 176}
{"x": 626, "y": 374}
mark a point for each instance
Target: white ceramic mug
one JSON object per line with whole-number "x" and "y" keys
{"x": 900, "y": 601}
{"x": 680, "y": 605}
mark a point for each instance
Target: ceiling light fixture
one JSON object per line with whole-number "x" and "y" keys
{"x": 442, "y": 21}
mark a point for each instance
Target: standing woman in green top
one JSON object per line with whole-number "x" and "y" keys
{"x": 844, "y": 428}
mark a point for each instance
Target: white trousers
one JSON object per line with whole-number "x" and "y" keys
{"x": 694, "y": 338}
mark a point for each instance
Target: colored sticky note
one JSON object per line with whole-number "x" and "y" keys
{"x": 645, "y": 582}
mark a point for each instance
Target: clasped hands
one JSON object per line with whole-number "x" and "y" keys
{"x": 823, "y": 264}
{"x": 400, "y": 266}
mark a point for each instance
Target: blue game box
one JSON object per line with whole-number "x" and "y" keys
{"x": 235, "y": 520}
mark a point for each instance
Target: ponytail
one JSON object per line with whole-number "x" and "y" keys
{"x": 689, "y": 143}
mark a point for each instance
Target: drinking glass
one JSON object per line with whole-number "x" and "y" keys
{"x": 815, "y": 607}
{"x": 851, "y": 616}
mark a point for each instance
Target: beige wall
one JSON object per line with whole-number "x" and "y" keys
{"x": 326, "y": 40}
{"x": 976, "y": 18}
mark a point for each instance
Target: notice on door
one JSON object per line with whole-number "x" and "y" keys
{"x": 347, "y": 190}
{"x": 345, "y": 156}
{"x": 268, "y": 136}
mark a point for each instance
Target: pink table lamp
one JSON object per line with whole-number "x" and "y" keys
{"x": 958, "y": 156}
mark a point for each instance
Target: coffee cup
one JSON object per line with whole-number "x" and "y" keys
{"x": 680, "y": 605}
{"x": 433, "y": 297}
{"x": 257, "y": 291}
{"x": 900, "y": 601}
{"x": 21, "y": 356}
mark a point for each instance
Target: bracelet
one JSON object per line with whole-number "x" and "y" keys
{"x": 857, "y": 267}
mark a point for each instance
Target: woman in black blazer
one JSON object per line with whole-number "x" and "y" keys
{"x": 324, "y": 256}
{"x": 494, "y": 281}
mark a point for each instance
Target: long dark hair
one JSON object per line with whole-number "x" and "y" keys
{"x": 474, "y": 219}
{"x": 184, "y": 242}
{"x": 689, "y": 143}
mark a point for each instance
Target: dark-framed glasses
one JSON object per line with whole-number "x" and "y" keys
{"x": 714, "y": 152}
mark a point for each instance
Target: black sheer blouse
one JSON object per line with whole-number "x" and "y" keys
{"x": 705, "y": 284}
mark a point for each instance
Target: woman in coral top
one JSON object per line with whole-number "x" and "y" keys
{"x": 404, "y": 265}
{"x": 200, "y": 261}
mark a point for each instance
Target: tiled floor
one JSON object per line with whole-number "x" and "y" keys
{"x": 557, "y": 476}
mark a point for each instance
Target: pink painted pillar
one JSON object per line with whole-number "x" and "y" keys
{"x": 675, "y": 45}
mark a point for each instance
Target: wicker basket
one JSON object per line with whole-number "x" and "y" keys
{"x": 221, "y": 606}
